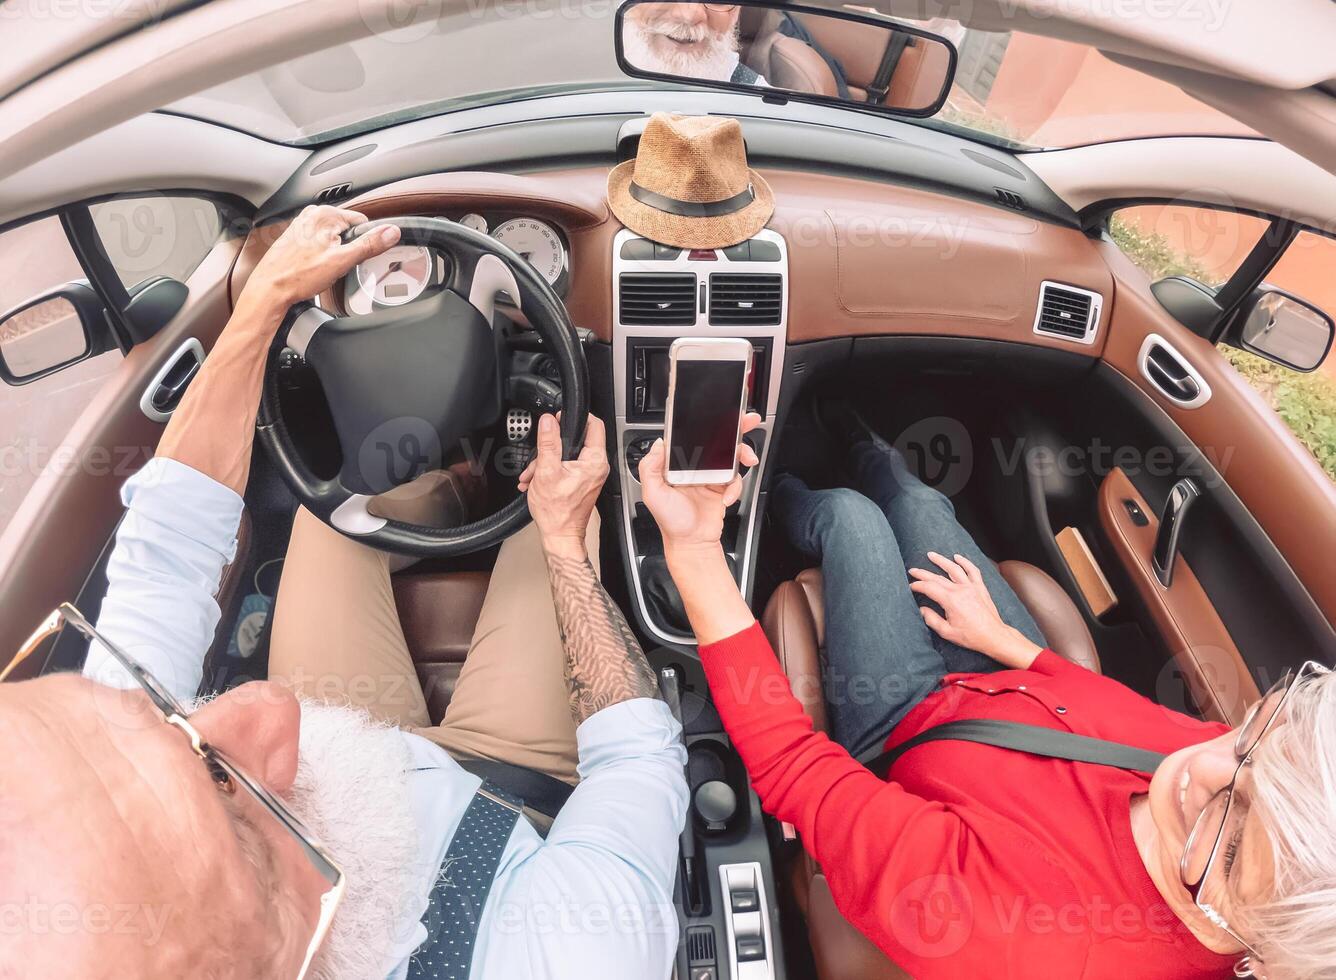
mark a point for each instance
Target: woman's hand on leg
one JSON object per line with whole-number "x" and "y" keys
{"x": 969, "y": 617}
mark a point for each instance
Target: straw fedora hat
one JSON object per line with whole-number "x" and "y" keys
{"x": 689, "y": 185}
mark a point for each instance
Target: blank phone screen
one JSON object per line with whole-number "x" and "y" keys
{"x": 706, "y": 400}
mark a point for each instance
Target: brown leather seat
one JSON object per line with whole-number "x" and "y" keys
{"x": 795, "y": 622}
{"x": 784, "y": 62}
{"x": 438, "y": 611}
{"x": 917, "y": 80}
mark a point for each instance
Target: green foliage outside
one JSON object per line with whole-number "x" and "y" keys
{"x": 1153, "y": 254}
{"x": 1307, "y": 402}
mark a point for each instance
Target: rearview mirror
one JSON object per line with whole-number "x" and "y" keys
{"x": 47, "y": 333}
{"x": 782, "y": 51}
{"x": 1283, "y": 328}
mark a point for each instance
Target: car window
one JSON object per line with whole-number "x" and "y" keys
{"x": 156, "y": 235}
{"x": 1307, "y": 402}
{"x": 35, "y": 418}
{"x": 1206, "y": 244}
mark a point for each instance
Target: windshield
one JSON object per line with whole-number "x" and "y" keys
{"x": 1015, "y": 90}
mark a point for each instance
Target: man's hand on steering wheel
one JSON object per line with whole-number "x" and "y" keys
{"x": 562, "y": 492}
{"x": 311, "y": 256}
{"x": 212, "y": 429}
{"x": 405, "y": 384}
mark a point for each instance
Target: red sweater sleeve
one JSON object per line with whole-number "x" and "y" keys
{"x": 875, "y": 841}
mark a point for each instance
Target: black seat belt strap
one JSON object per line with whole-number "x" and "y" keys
{"x": 890, "y": 60}
{"x": 1033, "y": 739}
{"x": 541, "y": 792}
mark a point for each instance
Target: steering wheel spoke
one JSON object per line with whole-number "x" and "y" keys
{"x": 405, "y": 384}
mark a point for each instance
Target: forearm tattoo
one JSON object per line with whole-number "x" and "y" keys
{"x": 604, "y": 663}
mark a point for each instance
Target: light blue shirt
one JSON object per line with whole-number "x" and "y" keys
{"x": 592, "y": 900}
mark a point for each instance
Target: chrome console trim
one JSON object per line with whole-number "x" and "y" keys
{"x": 628, "y": 431}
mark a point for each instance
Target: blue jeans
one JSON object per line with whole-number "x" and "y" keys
{"x": 880, "y": 658}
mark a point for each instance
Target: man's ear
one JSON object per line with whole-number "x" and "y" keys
{"x": 256, "y": 726}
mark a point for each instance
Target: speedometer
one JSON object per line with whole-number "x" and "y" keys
{"x": 538, "y": 243}
{"x": 397, "y": 276}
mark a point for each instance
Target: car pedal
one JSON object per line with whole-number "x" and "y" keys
{"x": 519, "y": 423}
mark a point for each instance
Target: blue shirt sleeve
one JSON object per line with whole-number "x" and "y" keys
{"x": 178, "y": 533}
{"x": 596, "y": 898}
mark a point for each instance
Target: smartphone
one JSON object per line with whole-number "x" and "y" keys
{"x": 707, "y": 395}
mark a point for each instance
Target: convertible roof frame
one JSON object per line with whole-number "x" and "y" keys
{"x": 1267, "y": 64}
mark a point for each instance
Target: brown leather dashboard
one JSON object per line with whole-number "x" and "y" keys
{"x": 865, "y": 257}
{"x": 869, "y": 258}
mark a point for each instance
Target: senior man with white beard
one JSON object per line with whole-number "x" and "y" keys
{"x": 127, "y": 850}
{"x": 696, "y": 40}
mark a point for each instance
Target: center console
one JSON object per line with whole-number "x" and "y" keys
{"x": 725, "y": 890}
{"x": 661, "y": 293}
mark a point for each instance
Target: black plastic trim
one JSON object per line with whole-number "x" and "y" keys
{"x": 1192, "y": 303}
{"x": 583, "y": 130}
{"x": 77, "y": 221}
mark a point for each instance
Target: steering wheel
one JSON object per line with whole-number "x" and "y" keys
{"x": 405, "y": 384}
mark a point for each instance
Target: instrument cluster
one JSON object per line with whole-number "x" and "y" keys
{"x": 404, "y": 273}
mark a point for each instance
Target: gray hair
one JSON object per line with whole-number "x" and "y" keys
{"x": 1294, "y": 786}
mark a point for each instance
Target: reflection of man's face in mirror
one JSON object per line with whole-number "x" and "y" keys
{"x": 698, "y": 40}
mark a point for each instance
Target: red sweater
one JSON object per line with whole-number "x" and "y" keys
{"x": 975, "y": 861}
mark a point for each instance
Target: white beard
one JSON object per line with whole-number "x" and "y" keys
{"x": 647, "y": 47}
{"x": 352, "y": 792}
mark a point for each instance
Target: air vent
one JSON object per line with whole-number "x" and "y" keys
{"x": 745, "y": 299}
{"x": 1010, "y": 199}
{"x": 1067, "y": 312}
{"x": 333, "y": 193}
{"x": 658, "y": 300}
{"x": 700, "y": 945}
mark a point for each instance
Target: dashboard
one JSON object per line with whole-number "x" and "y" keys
{"x": 407, "y": 272}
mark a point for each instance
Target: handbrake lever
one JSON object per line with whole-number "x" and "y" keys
{"x": 670, "y": 685}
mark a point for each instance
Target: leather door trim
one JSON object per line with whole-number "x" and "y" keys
{"x": 1216, "y": 675}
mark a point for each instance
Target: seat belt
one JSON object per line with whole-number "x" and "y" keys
{"x": 1033, "y": 739}
{"x": 541, "y": 792}
{"x": 890, "y": 60}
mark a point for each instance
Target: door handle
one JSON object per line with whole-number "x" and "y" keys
{"x": 169, "y": 384}
{"x": 1172, "y": 374}
{"x": 1181, "y": 498}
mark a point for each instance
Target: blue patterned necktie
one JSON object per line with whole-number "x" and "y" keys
{"x": 455, "y": 907}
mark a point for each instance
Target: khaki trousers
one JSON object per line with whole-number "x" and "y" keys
{"x": 337, "y": 638}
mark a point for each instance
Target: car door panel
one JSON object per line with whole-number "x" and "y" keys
{"x": 1247, "y": 602}
{"x": 1273, "y": 475}
{"x": 64, "y": 523}
{"x": 1213, "y": 670}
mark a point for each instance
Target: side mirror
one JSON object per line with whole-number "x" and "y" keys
{"x": 48, "y": 333}
{"x": 783, "y": 51}
{"x": 1283, "y": 328}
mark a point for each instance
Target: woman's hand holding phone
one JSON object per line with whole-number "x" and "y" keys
{"x": 691, "y": 515}
{"x": 691, "y": 520}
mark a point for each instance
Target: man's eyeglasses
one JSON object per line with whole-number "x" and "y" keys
{"x": 1213, "y": 844}
{"x": 721, "y": 8}
{"x": 226, "y": 776}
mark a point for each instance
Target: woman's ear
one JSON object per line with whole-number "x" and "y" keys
{"x": 256, "y": 726}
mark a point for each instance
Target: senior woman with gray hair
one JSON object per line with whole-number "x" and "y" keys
{"x": 1175, "y": 849}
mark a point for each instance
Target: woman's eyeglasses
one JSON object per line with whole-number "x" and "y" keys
{"x": 225, "y": 775}
{"x": 1213, "y": 845}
